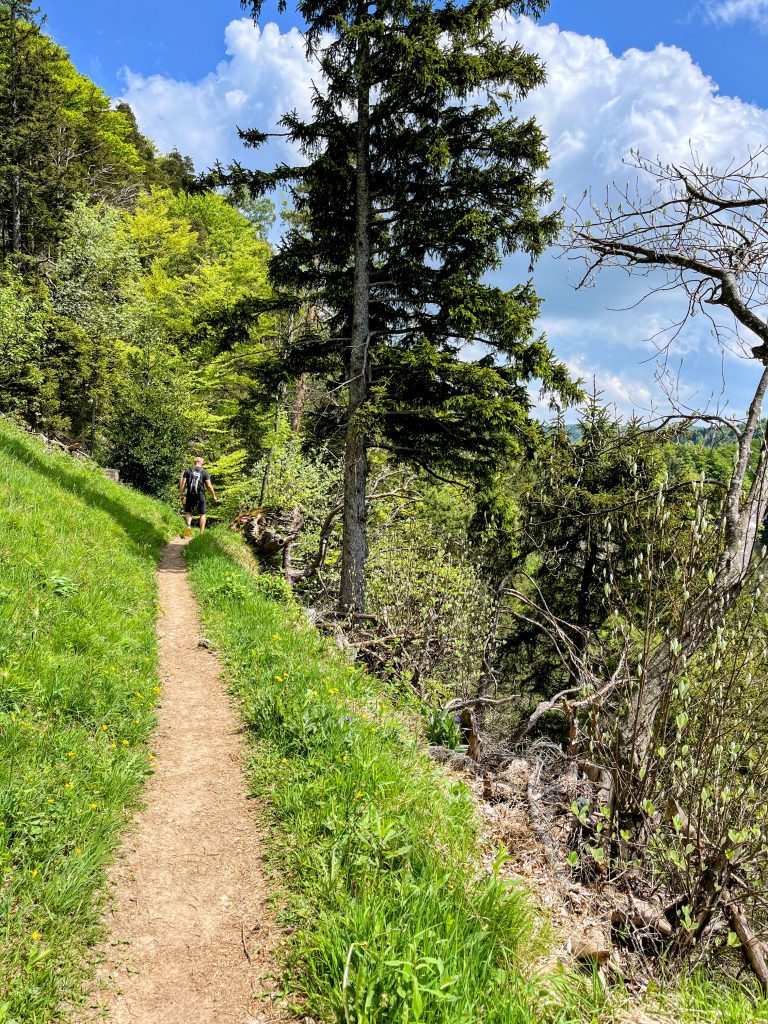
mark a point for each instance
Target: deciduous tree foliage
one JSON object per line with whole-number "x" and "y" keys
{"x": 419, "y": 180}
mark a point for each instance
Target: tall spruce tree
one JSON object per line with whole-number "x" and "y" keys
{"x": 419, "y": 181}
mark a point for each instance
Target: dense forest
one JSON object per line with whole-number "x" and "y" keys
{"x": 584, "y": 594}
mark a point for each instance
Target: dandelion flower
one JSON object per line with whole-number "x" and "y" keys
{"x": 78, "y": 850}
{"x": 70, "y": 753}
{"x": 35, "y": 936}
{"x": 125, "y": 743}
{"x": 103, "y": 728}
{"x": 34, "y": 872}
{"x": 358, "y": 794}
{"x": 93, "y": 806}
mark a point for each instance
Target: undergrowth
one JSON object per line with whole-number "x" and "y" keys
{"x": 78, "y": 683}
{"x": 394, "y": 919}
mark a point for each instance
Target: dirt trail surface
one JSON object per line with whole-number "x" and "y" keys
{"x": 190, "y": 937}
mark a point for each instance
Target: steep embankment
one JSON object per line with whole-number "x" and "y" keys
{"x": 393, "y": 922}
{"x": 78, "y": 684}
{"x": 394, "y": 919}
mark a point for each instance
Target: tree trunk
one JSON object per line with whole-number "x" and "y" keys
{"x": 297, "y": 409}
{"x": 15, "y": 177}
{"x": 15, "y": 212}
{"x": 354, "y": 547}
{"x": 743, "y": 519}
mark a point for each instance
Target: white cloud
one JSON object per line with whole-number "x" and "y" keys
{"x": 728, "y": 12}
{"x": 265, "y": 74}
{"x": 596, "y": 107}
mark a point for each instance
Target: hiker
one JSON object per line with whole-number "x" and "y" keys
{"x": 195, "y": 481}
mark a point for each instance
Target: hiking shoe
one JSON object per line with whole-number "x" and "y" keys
{"x": 187, "y": 532}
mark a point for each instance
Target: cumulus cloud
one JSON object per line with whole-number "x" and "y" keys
{"x": 728, "y": 12}
{"x": 264, "y": 74}
{"x": 596, "y": 107}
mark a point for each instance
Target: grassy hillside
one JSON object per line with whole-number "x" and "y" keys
{"x": 376, "y": 845}
{"x": 78, "y": 682}
{"x": 378, "y": 850}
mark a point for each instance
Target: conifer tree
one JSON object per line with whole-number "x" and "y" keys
{"x": 419, "y": 180}
{"x": 23, "y": 87}
{"x": 59, "y": 137}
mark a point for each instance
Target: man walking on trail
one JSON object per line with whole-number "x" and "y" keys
{"x": 195, "y": 481}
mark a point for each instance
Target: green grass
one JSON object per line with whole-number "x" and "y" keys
{"x": 701, "y": 998}
{"x": 394, "y": 920}
{"x": 78, "y": 683}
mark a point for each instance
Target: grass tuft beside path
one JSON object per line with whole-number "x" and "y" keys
{"x": 375, "y": 845}
{"x": 78, "y": 683}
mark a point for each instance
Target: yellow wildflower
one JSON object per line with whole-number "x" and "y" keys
{"x": 35, "y": 936}
{"x": 70, "y": 753}
{"x": 93, "y": 806}
{"x": 125, "y": 743}
{"x": 34, "y": 872}
{"x": 103, "y": 728}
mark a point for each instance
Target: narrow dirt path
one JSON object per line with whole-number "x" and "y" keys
{"x": 191, "y": 938}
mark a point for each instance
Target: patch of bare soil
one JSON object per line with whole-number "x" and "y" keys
{"x": 191, "y": 937}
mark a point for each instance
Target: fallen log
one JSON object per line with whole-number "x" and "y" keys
{"x": 640, "y": 914}
{"x": 754, "y": 949}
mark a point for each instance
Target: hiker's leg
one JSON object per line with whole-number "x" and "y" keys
{"x": 202, "y": 523}
{"x": 188, "y": 519}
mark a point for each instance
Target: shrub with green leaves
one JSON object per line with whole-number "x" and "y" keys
{"x": 435, "y": 603}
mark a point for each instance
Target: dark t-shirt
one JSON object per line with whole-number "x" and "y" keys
{"x": 196, "y": 480}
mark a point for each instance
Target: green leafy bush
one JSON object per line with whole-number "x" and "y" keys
{"x": 443, "y": 729}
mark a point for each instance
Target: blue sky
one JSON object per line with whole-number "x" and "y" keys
{"x": 161, "y": 37}
{"x": 661, "y": 76}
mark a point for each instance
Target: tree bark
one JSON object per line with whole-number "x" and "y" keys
{"x": 297, "y": 409}
{"x": 354, "y": 547}
{"x": 15, "y": 177}
{"x": 743, "y": 518}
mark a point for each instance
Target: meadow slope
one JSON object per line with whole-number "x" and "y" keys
{"x": 78, "y": 675}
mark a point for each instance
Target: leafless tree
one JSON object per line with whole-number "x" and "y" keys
{"x": 703, "y": 233}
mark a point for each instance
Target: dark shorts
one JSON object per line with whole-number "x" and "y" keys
{"x": 195, "y": 504}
